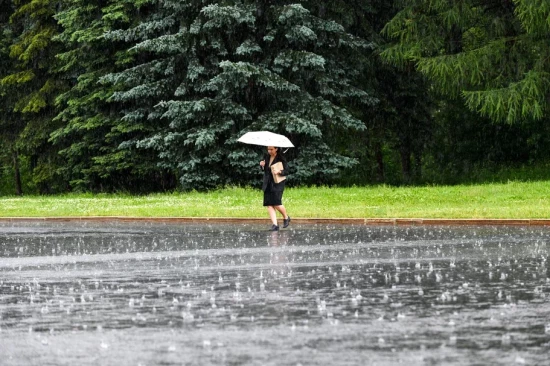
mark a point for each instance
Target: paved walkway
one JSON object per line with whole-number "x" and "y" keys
{"x": 348, "y": 221}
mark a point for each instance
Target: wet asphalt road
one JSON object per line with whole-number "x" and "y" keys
{"x": 209, "y": 294}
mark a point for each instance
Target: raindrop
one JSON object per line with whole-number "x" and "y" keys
{"x": 520, "y": 360}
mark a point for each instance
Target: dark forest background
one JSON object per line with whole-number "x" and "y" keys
{"x": 146, "y": 95}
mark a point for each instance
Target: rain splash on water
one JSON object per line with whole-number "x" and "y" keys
{"x": 215, "y": 294}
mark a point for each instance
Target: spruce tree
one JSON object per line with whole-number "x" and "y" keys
{"x": 399, "y": 126}
{"x": 91, "y": 133}
{"x": 29, "y": 87}
{"x": 492, "y": 54}
{"x": 9, "y": 125}
{"x": 207, "y": 72}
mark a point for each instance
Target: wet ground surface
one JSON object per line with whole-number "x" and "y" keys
{"x": 200, "y": 294}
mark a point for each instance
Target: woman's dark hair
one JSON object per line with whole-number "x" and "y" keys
{"x": 280, "y": 153}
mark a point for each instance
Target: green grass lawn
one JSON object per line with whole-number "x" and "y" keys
{"x": 513, "y": 200}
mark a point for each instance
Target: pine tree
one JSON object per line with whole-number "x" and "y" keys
{"x": 207, "y": 72}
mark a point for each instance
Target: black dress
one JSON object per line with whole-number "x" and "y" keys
{"x": 273, "y": 192}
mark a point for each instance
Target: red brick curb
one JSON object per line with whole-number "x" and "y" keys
{"x": 349, "y": 221}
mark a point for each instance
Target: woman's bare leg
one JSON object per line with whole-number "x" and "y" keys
{"x": 272, "y": 214}
{"x": 282, "y": 210}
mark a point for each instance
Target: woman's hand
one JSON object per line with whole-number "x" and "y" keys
{"x": 262, "y": 163}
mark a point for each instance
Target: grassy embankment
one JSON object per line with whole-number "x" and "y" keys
{"x": 513, "y": 200}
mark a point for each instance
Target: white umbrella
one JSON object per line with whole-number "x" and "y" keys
{"x": 265, "y": 138}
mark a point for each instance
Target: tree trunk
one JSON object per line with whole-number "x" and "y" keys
{"x": 417, "y": 166}
{"x": 405, "y": 152}
{"x": 380, "y": 174}
{"x": 17, "y": 176}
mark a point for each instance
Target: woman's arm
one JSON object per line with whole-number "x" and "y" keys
{"x": 262, "y": 163}
{"x": 285, "y": 167}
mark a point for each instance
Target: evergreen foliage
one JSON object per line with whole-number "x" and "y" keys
{"x": 492, "y": 54}
{"x": 91, "y": 134}
{"x": 7, "y": 122}
{"x": 29, "y": 86}
{"x": 151, "y": 95}
{"x": 210, "y": 71}
{"x": 399, "y": 127}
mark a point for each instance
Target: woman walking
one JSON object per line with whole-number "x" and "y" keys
{"x": 273, "y": 192}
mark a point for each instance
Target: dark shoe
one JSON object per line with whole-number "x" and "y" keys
{"x": 286, "y": 222}
{"x": 274, "y": 228}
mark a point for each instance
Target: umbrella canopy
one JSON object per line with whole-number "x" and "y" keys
{"x": 265, "y": 138}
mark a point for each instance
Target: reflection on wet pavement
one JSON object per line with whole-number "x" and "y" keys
{"x": 199, "y": 294}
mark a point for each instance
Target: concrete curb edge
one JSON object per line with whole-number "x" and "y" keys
{"x": 347, "y": 221}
